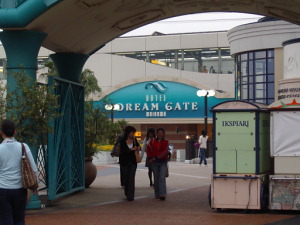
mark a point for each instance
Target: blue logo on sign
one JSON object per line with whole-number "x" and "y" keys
{"x": 160, "y": 87}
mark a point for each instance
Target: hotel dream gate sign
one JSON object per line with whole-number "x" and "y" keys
{"x": 159, "y": 99}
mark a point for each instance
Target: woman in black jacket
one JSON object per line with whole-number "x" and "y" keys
{"x": 128, "y": 164}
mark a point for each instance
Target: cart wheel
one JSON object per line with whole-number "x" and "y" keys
{"x": 264, "y": 197}
{"x": 209, "y": 196}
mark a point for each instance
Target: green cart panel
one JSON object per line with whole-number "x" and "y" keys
{"x": 246, "y": 162}
{"x": 226, "y": 161}
{"x": 235, "y": 142}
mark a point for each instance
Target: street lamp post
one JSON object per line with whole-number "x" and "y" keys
{"x": 112, "y": 108}
{"x": 205, "y": 94}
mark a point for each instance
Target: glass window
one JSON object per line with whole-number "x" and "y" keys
{"x": 244, "y": 79}
{"x": 256, "y": 82}
{"x": 271, "y": 78}
{"x": 244, "y": 57}
{"x": 270, "y": 66}
{"x": 251, "y": 79}
{"x": 206, "y": 60}
{"x": 260, "y": 90}
{"x": 202, "y": 60}
{"x": 260, "y": 66}
{"x": 244, "y": 92}
{"x": 250, "y": 55}
{"x": 260, "y": 54}
{"x": 250, "y": 65}
{"x": 271, "y": 54}
{"x": 251, "y": 89}
{"x": 162, "y": 58}
{"x": 262, "y": 78}
{"x": 244, "y": 67}
{"x": 271, "y": 90}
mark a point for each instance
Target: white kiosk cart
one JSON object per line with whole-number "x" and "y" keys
{"x": 284, "y": 186}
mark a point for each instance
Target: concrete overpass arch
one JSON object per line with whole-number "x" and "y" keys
{"x": 85, "y": 25}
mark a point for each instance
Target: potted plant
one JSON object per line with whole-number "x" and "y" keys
{"x": 94, "y": 123}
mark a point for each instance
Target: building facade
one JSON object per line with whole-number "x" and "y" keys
{"x": 259, "y": 56}
{"x": 153, "y": 80}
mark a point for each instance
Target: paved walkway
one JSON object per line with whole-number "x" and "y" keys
{"x": 186, "y": 204}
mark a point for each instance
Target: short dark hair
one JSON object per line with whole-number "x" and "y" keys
{"x": 8, "y": 128}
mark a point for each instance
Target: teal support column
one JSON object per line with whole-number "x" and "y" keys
{"x": 70, "y": 128}
{"x": 22, "y": 49}
{"x": 69, "y": 65}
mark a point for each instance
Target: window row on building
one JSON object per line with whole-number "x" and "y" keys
{"x": 206, "y": 60}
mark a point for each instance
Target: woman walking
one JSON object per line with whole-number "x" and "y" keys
{"x": 150, "y": 135}
{"x": 203, "y": 146}
{"x": 13, "y": 196}
{"x": 157, "y": 152}
{"x": 128, "y": 164}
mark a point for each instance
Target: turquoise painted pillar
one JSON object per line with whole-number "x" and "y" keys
{"x": 69, "y": 65}
{"x": 22, "y": 49}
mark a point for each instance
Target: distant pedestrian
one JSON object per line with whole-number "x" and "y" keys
{"x": 128, "y": 164}
{"x": 204, "y": 70}
{"x": 150, "y": 135}
{"x": 203, "y": 146}
{"x": 212, "y": 70}
{"x": 13, "y": 196}
{"x": 157, "y": 152}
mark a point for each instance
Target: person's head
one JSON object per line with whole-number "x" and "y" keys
{"x": 129, "y": 132}
{"x": 8, "y": 128}
{"x": 160, "y": 133}
{"x": 204, "y": 133}
{"x": 150, "y": 133}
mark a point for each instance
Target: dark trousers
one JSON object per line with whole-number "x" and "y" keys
{"x": 202, "y": 156}
{"x": 129, "y": 180}
{"x": 122, "y": 172}
{"x": 160, "y": 172}
{"x": 12, "y": 206}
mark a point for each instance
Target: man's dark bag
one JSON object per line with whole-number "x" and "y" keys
{"x": 29, "y": 179}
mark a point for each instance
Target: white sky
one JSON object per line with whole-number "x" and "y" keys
{"x": 200, "y": 22}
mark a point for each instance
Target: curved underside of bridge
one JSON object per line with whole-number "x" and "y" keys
{"x": 83, "y": 26}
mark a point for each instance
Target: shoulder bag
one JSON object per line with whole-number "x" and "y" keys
{"x": 116, "y": 150}
{"x": 29, "y": 179}
{"x": 137, "y": 154}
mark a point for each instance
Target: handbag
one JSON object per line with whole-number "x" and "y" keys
{"x": 116, "y": 150}
{"x": 197, "y": 145}
{"x": 29, "y": 179}
{"x": 137, "y": 154}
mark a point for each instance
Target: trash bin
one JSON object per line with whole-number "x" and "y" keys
{"x": 189, "y": 149}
